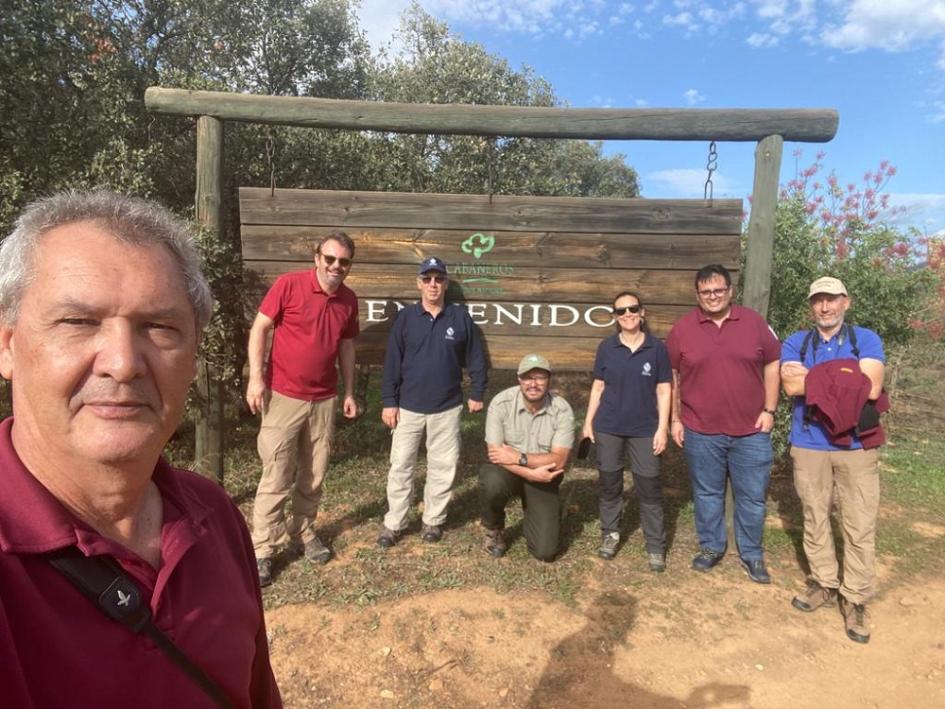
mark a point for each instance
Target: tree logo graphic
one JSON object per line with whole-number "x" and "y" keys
{"x": 478, "y": 244}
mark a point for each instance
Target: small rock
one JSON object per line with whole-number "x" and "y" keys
{"x": 504, "y": 692}
{"x": 387, "y": 694}
{"x": 436, "y": 685}
{"x": 385, "y": 651}
{"x": 906, "y": 602}
{"x": 759, "y": 667}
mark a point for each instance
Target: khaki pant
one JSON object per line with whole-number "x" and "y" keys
{"x": 853, "y": 475}
{"x": 294, "y": 444}
{"x": 443, "y": 442}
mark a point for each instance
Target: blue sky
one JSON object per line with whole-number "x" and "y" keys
{"x": 880, "y": 63}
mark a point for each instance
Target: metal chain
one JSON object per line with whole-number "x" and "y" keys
{"x": 711, "y": 165}
{"x": 270, "y": 153}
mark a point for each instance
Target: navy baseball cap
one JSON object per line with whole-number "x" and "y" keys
{"x": 432, "y": 264}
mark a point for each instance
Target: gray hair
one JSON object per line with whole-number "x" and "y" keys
{"x": 131, "y": 220}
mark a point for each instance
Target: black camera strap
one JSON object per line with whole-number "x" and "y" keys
{"x": 101, "y": 580}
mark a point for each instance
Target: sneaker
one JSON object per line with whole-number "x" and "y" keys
{"x": 814, "y": 597}
{"x": 608, "y": 545}
{"x": 431, "y": 533}
{"x": 314, "y": 551}
{"x": 657, "y": 562}
{"x": 755, "y": 568}
{"x": 387, "y": 538}
{"x": 706, "y": 559}
{"x": 495, "y": 542}
{"x": 857, "y": 620}
{"x": 264, "y": 568}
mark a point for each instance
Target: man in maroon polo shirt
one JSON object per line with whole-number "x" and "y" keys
{"x": 314, "y": 319}
{"x": 725, "y": 361}
{"x": 102, "y": 303}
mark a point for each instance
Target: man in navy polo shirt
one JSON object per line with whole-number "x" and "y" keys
{"x": 429, "y": 345}
{"x": 725, "y": 361}
{"x": 823, "y": 469}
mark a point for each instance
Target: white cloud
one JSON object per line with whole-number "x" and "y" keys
{"x": 892, "y": 26}
{"x": 762, "y": 40}
{"x": 693, "y": 97}
{"x": 379, "y": 19}
{"x": 688, "y": 182}
{"x": 641, "y": 103}
{"x": 927, "y": 210}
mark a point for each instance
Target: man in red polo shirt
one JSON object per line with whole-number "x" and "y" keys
{"x": 314, "y": 319}
{"x": 725, "y": 361}
{"x": 102, "y": 303}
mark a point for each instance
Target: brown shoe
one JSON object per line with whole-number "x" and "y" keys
{"x": 814, "y": 597}
{"x": 495, "y": 542}
{"x": 857, "y": 620}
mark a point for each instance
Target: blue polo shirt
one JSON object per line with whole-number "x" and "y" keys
{"x": 869, "y": 344}
{"x": 628, "y": 404}
{"x": 423, "y": 366}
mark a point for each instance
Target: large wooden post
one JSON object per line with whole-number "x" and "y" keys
{"x": 764, "y": 208}
{"x": 208, "y": 444}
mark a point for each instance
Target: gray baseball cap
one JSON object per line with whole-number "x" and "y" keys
{"x": 533, "y": 361}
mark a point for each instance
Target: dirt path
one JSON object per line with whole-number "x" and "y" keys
{"x": 680, "y": 640}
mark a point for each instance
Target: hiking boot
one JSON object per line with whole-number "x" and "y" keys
{"x": 313, "y": 550}
{"x": 431, "y": 533}
{"x": 387, "y": 538}
{"x": 755, "y": 568}
{"x": 495, "y": 542}
{"x": 657, "y": 562}
{"x": 814, "y": 597}
{"x": 857, "y": 620}
{"x": 706, "y": 559}
{"x": 264, "y": 568}
{"x": 608, "y": 545}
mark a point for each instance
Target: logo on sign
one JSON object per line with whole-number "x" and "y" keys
{"x": 478, "y": 244}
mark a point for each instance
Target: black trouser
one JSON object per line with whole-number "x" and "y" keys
{"x": 541, "y": 503}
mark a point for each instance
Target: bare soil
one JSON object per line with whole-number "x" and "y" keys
{"x": 632, "y": 639}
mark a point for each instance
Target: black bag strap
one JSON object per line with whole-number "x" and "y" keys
{"x": 101, "y": 580}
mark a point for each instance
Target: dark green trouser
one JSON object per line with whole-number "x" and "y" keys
{"x": 540, "y": 501}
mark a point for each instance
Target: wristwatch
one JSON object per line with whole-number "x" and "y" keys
{"x": 523, "y": 459}
{"x": 768, "y": 411}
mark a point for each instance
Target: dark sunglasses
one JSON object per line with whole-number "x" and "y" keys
{"x": 330, "y": 260}
{"x": 434, "y": 279}
{"x": 627, "y": 309}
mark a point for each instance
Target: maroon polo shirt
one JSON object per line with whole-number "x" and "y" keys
{"x": 309, "y": 326}
{"x": 721, "y": 369}
{"x": 57, "y": 649}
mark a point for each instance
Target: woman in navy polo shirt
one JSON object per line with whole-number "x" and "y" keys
{"x": 628, "y": 409}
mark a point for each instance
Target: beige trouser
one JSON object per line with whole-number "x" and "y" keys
{"x": 854, "y": 475}
{"x": 442, "y": 456}
{"x": 294, "y": 444}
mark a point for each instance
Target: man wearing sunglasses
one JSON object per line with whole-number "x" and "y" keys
{"x": 429, "y": 344}
{"x": 725, "y": 361}
{"x": 313, "y": 318}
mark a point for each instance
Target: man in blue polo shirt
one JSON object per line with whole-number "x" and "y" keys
{"x": 822, "y": 468}
{"x": 428, "y": 347}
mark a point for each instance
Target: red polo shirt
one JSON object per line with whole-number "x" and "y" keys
{"x": 721, "y": 369}
{"x": 309, "y": 326}
{"x": 57, "y": 649}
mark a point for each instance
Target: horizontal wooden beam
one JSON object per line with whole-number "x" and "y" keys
{"x": 735, "y": 124}
{"x": 406, "y": 210}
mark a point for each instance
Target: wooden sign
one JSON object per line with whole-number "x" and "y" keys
{"x": 537, "y": 274}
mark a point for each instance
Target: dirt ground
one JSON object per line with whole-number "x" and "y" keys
{"x": 639, "y": 640}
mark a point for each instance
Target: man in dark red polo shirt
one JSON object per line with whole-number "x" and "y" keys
{"x": 102, "y": 303}
{"x": 725, "y": 361}
{"x": 313, "y": 318}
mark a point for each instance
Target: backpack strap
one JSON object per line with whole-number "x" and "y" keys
{"x": 101, "y": 580}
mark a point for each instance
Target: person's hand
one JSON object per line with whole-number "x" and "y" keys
{"x": 256, "y": 394}
{"x": 678, "y": 432}
{"x": 350, "y": 407}
{"x": 504, "y": 455}
{"x": 474, "y": 406}
{"x": 793, "y": 369}
{"x": 390, "y": 415}
{"x": 588, "y": 431}
{"x": 764, "y": 422}
{"x": 545, "y": 473}
{"x": 659, "y": 441}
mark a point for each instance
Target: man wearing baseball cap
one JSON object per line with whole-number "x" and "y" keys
{"x": 529, "y": 435}
{"x": 422, "y": 392}
{"x": 826, "y": 464}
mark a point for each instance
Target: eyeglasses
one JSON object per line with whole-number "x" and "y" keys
{"x": 713, "y": 292}
{"x": 534, "y": 377}
{"x": 433, "y": 279}
{"x": 626, "y": 309}
{"x": 330, "y": 260}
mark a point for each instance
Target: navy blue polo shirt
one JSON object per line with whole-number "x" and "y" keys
{"x": 628, "y": 404}
{"x": 423, "y": 366}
